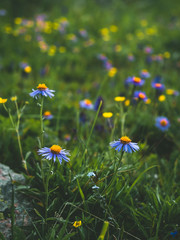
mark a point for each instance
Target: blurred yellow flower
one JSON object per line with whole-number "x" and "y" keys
{"x": 162, "y": 98}
{"x": 77, "y": 224}
{"x": 27, "y": 37}
{"x": 8, "y": 29}
{"x": 151, "y": 31}
{"x": 3, "y": 100}
{"x": 62, "y": 49}
{"x": 119, "y": 99}
{"x": 167, "y": 55}
{"x": 13, "y": 98}
{"x": 104, "y": 31}
{"x": 127, "y": 102}
{"x": 144, "y": 23}
{"x": 52, "y": 50}
{"x": 118, "y": 48}
{"x": 169, "y": 91}
{"x": 113, "y": 28}
{"x": 148, "y": 101}
{"x": 107, "y": 114}
{"x": 112, "y": 72}
{"x": 27, "y": 69}
{"x": 18, "y": 20}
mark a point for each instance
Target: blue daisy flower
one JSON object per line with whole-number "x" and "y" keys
{"x": 125, "y": 144}
{"x": 86, "y": 103}
{"x": 138, "y": 95}
{"x": 162, "y": 123}
{"x": 54, "y": 152}
{"x": 135, "y": 81}
{"x": 42, "y": 90}
{"x": 47, "y": 115}
{"x": 158, "y": 86}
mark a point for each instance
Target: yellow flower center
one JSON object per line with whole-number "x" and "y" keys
{"x": 136, "y": 80}
{"x": 87, "y": 102}
{"x": 163, "y": 122}
{"x": 47, "y": 113}
{"x": 142, "y": 95}
{"x": 55, "y": 149}
{"x": 125, "y": 140}
{"x": 42, "y": 87}
{"x": 144, "y": 71}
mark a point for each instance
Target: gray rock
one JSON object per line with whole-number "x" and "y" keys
{"x": 21, "y": 205}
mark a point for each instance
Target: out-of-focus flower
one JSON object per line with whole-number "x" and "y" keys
{"x": 18, "y": 20}
{"x": 167, "y": 55}
{"x": 67, "y": 137}
{"x": 131, "y": 57}
{"x": 3, "y": 12}
{"x": 145, "y": 74}
{"x": 148, "y": 50}
{"x": 162, "y": 98}
{"x": 125, "y": 144}
{"x": 13, "y": 98}
{"x": 107, "y": 114}
{"x": 118, "y": 48}
{"x": 174, "y": 233}
{"x": 97, "y": 103}
{"x": 158, "y": 86}
{"x": 112, "y": 72}
{"x": 138, "y": 95}
{"x": 127, "y": 103}
{"x": 135, "y": 81}
{"x": 148, "y": 101}
{"x": 113, "y": 28}
{"x": 42, "y": 90}
{"x": 119, "y": 99}
{"x": 95, "y": 187}
{"x": 47, "y": 115}
{"x": 62, "y": 49}
{"x": 91, "y": 174}
{"x": 3, "y": 100}
{"x": 77, "y": 224}
{"x": 172, "y": 92}
{"x": 27, "y": 69}
{"x": 162, "y": 123}
{"x": 86, "y": 103}
{"x": 54, "y": 152}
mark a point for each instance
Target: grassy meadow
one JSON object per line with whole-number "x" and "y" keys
{"x": 114, "y": 67}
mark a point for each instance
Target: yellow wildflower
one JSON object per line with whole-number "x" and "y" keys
{"x": 119, "y": 99}
{"x": 77, "y": 224}
{"x": 13, "y": 98}
{"x": 107, "y": 114}
{"x": 162, "y": 98}
{"x": 3, "y": 100}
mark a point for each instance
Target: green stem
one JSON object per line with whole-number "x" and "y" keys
{"x": 116, "y": 167}
{"x": 41, "y": 121}
{"x": 87, "y": 143}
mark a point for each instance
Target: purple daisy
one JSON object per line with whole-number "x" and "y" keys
{"x": 162, "y": 123}
{"x": 86, "y": 103}
{"x": 125, "y": 144}
{"x": 135, "y": 81}
{"x": 138, "y": 95}
{"x": 54, "y": 152}
{"x": 42, "y": 90}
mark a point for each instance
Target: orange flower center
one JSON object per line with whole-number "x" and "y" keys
{"x": 125, "y": 140}
{"x": 136, "y": 80}
{"x": 42, "y": 87}
{"x": 158, "y": 85}
{"x": 55, "y": 149}
{"x": 163, "y": 122}
{"x": 47, "y": 113}
{"x": 142, "y": 95}
{"x": 87, "y": 102}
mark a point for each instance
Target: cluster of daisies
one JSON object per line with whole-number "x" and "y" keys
{"x": 56, "y": 152}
